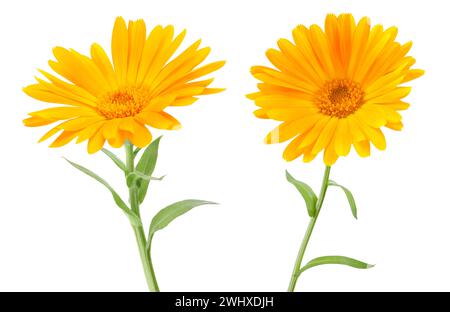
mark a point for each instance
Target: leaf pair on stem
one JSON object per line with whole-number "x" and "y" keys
{"x": 313, "y": 207}
{"x": 138, "y": 179}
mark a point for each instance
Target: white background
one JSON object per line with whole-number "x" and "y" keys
{"x": 60, "y": 231}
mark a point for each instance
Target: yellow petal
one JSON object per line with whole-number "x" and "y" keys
{"x": 413, "y": 74}
{"x": 141, "y": 136}
{"x": 375, "y": 48}
{"x": 136, "y": 42}
{"x": 151, "y": 46}
{"x": 127, "y": 124}
{"x": 289, "y": 60}
{"x": 356, "y": 132}
{"x": 64, "y": 138}
{"x": 395, "y": 125}
{"x": 391, "y": 96}
{"x": 292, "y": 150}
{"x": 184, "y": 101}
{"x": 283, "y": 101}
{"x": 276, "y": 78}
{"x": 50, "y": 133}
{"x": 376, "y": 136}
{"x": 302, "y": 40}
{"x": 160, "y": 103}
{"x": 63, "y": 112}
{"x": 96, "y": 142}
{"x": 372, "y": 115}
{"x": 101, "y": 59}
{"x": 41, "y": 93}
{"x": 89, "y": 131}
{"x": 261, "y": 113}
{"x": 79, "y": 123}
{"x": 73, "y": 92}
{"x": 360, "y": 41}
{"x": 202, "y": 71}
{"x": 119, "y": 48}
{"x": 111, "y": 128}
{"x": 315, "y": 132}
{"x": 325, "y": 136}
{"x": 362, "y": 148}
{"x": 36, "y": 122}
{"x": 285, "y": 114}
{"x": 289, "y": 129}
{"x": 80, "y": 70}
{"x": 178, "y": 67}
{"x": 321, "y": 49}
{"x": 342, "y": 138}
{"x": 346, "y": 24}
{"x": 391, "y": 114}
{"x": 164, "y": 51}
{"x": 159, "y": 120}
{"x": 308, "y": 157}
{"x": 330, "y": 156}
{"x": 119, "y": 139}
{"x": 207, "y": 91}
{"x": 398, "y": 105}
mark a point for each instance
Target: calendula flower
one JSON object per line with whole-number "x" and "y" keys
{"x": 335, "y": 88}
{"x": 116, "y": 101}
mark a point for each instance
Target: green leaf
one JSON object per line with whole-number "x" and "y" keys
{"x": 306, "y": 191}
{"x": 136, "y": 151}
{"x": 350, "y": 198}
{"x": 115, "y": 159}
{"x": 158, "y": 179}
{"x": 135, "y": 178}
{"x": 146, "y": 166}
{"x": 171, "y": 212}
{"x": 135, "y": 220}
{"x": 336, "y": 260}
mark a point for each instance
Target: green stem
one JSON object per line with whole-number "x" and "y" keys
{"x": 138, "y": 230}
{"x": 145, "y": 258}
{"x": 309, "y": 230}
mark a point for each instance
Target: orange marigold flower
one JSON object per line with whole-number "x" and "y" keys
{"x": 334, "y": 88}
{"x": 115, "y": 101}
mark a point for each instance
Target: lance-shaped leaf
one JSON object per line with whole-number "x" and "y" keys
{"x": 136, "y": 152}
{"x": 115, "y": 159}
{"x": 306, "y": 191}
{"x": 350, "y": 198}
{"x": 146, "y": 166}
{"x": 171, "y": 212}
{"x": 336, "y": 260}
{"x": 134, "y": 219}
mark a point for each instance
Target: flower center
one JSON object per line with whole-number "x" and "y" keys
{"x": 340, "y": 98}
{"x": 125, "y": 102}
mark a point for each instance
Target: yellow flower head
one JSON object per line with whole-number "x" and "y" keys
{"x": 334, "y": 88}
{"x": 104, "y": 101}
